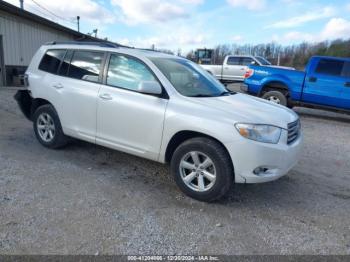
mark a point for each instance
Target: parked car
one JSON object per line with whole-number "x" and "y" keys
{"x": 234, "y": 67}
{"x": 324, "y": 84}
{"x": 160, "y": 107}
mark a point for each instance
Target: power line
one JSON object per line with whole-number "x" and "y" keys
{"x": 52, "y": 13}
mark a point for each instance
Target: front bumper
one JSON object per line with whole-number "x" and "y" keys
{"x": 276, "y": 159}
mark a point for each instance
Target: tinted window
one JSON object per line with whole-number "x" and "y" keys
{"x": 330, "y": 67}
{"x": 63, "y": 70}
{"x": 127, "y": 72}
{"x": 233, "y": 60}
{"x": 51, "y": 60}
{"x": 188, "y": 78}
{"x": 346, "y": 69}
{"x": 246, "y": 61}
{"x": 86, "y": 65}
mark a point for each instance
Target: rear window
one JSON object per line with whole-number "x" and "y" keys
{"x": 86, "y": 65}
{"x": 330, "y": 67}
{"x": 51, "y": 60}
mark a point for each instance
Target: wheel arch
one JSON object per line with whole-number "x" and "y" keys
{"x": 36, "y": 103}
{"x": 276, "y": 85}
{"x": 181, "y": 136}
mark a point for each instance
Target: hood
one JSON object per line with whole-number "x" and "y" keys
{"x": 248, "y": 109}
{"x": 282, "y": 67}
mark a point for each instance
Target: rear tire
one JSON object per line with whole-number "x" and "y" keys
{"x": 47, "y": 127}
{"x": 276, "y": 96}
{"x": 202, "y": 169}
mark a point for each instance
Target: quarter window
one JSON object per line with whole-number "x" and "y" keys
{"x": 86, "y": 65}
{"x": 51, "y": 60}
{"x": 126, "y": 72}
{"x": 330, "y": 67}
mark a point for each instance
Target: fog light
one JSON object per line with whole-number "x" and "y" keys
{"x": 260, "y": 170}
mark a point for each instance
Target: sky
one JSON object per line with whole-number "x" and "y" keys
{"x": 191, "y": 24}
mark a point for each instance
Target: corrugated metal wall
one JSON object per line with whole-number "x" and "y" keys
{"x": 22, "y": 37}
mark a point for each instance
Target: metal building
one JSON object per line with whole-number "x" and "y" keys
{"x": 21, "y": 34}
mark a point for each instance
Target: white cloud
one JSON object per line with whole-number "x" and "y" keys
{"x": 146, "y": 11}
{"x": 88, "y": 10}
{"x": 237, "y": 38}
{"x": 193, "y": 2}
{"x": 183, "y": 39}
{"x": 325, "y": 12}
{"x": 336, "y": 28}
{"x": 251, "y": 4}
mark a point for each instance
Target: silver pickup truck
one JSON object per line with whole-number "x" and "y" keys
{"x": 234, "y": 67}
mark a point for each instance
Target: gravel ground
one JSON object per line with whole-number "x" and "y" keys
{"x": 86, "y": 199}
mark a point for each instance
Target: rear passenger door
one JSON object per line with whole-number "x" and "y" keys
{"x": 78, "y": 84}
{"x": 325, "y": 84}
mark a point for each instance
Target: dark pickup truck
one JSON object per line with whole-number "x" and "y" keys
{"x": 325, "y": 83}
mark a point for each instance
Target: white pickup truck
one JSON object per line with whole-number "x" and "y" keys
{"x": 234, "y": 67}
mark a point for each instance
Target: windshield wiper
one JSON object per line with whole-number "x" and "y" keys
{"x": 201, "y": 95}
{"x": 227, "y": 93}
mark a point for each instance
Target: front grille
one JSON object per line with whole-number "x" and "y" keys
{"x": 293, "y": 131}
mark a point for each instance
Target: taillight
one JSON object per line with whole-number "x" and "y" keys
{"x": 248, "y": 73}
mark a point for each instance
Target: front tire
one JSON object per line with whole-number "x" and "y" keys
{"x": 47, "y": 127}
{"x": 202, "y": 169}
{"x": 275, "y": 97}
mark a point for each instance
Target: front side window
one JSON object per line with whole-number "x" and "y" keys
{"x": 86, "y": 65}
{"x": 51, "y": 60}
{"x": 233, "y": 60}
{"x": 330, "y": 67}
{"x": 246, "y": 61}
{"x": 188, "y": 78}
{"x": 127, "y": 72}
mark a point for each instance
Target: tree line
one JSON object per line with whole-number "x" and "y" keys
{"x": 295, "y": 56}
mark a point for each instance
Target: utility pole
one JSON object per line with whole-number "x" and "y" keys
{"x": 95, "y": 32}
{"x": 21, "y": 4}
{"x": 78, "y": 22}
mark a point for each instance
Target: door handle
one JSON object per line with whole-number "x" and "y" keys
{"x": 106, "y": 96}
{"x": 58, "y": 86}
{"x": 312, "y": 79}
{"x": 347, "y": 84}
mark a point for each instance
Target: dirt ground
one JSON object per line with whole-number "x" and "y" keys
{"x": 86, "y": 199}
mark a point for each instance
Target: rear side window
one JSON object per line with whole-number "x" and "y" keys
{"x": 233, "y": 60}
{"x": 127, "y": 72}
{"x": 330, "y": 67}
{"x": 86, "y": 65}
{"x": 51, "y": 61}
{"x": 346, "y": 70}
{"x": 63, "y": 70}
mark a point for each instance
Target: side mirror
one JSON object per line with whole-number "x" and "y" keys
{"x": 150, "y": 87}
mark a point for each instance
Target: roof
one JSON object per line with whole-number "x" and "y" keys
{"x": 106, "y": 47}
{"x": 14, "y": 10}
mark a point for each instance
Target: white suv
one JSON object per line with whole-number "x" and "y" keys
{"x": 161, "y": 107}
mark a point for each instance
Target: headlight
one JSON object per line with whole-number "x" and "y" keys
{"x": 260, "y": 133}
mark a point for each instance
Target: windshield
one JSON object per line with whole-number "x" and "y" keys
{"x": 262, "y": 60}
{"x": 188, "y": 78}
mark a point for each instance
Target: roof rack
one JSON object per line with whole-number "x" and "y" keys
{"x": 101, "y": 44}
